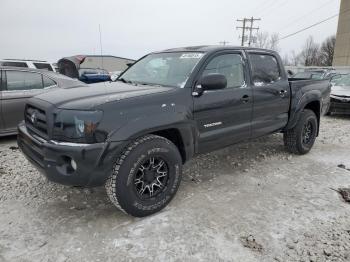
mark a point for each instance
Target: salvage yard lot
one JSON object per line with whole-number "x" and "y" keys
{"x": 248, "y": 202}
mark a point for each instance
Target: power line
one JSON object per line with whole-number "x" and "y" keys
{"x": 306, "y": 28}
{"x": 272, "y": 6}
{"x": 261, "y": 5}
{"x": 315, "y": 24}
{"x": 306, "y": 14}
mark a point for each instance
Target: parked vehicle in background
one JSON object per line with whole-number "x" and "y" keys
{"x": 93, "y": 75}
{"x": 315, "y": 74}
{"x": 340, "y": 95}
{"x": 19, "y": 84}
{"x": 35, "y": 64}
{"x": 133, "y": 135}
{"x": 114, "y": 75}
{"x": 336, "y": 77}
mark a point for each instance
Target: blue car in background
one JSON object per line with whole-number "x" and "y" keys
{"x": 93, "y": 75}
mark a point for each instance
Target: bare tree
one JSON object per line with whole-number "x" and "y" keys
{"x": 274, "y": 41}
{"x": 285, "y": 60}
{"x": 267, "y": 40}
{"x": 310, "y": 53}
{"x": 326, "y": 52}
{"x": 295, "y": 58}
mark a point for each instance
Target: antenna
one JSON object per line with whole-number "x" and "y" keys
{"x": 99, "y": 29}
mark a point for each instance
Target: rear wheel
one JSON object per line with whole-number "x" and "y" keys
{"x": 301, "y": 138}
{"x": 146, "y": 176}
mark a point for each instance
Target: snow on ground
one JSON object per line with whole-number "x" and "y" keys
{"x": 247, "y": 202}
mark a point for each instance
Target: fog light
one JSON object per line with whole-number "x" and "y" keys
{"x": 73, "y": 164}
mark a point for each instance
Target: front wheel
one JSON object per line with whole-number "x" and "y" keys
{"x": 146, "y": 176}
{"x": 301, "y": 138}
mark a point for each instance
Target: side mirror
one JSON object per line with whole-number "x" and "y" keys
{"x": 213, "y": 82}
{"x": 129, "y": 64}
{"x": 210, "y": 82}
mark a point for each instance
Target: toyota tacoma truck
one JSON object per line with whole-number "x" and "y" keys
{"x": 134, "y": 135}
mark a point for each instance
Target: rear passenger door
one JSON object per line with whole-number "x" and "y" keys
{"x": 19, "y": 86}
{"x": 271, "y": 93}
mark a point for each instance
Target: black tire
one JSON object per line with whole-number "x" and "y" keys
{"x": 130, "y": 187}
{"x": 299, "y": 140}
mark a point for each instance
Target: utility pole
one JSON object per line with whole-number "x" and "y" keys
{"x": 250, "y": 28}
{"x": 223, "y": 42}
{"x": 252, "y": 20}
{"x": 243, "y": 29}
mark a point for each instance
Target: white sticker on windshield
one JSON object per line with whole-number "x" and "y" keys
{"x": 191, "y": 55}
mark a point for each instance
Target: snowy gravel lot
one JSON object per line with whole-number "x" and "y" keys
{"x": 248, "y": 202}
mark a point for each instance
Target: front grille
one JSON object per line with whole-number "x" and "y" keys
{"x": 36, "y": 121}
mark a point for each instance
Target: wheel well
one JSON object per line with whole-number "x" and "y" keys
{"x": 174, "y": 136}
{"x": 316, "y": 108}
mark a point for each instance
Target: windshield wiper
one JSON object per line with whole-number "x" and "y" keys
{"x": 149, "y": 84}
{"x": 126, "y": 81}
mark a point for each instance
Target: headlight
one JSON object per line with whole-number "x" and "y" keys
{"x": 78, "y": 126}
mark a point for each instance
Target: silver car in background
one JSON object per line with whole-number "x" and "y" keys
{"x": 340, "y": 95}
{"x": 19, "y": 84}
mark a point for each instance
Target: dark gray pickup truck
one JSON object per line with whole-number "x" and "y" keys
{"x": 133, "y": 135}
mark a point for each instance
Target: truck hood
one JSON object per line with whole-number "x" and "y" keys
{"x": 90, "y": 96}
{"x": 341, "y": 91}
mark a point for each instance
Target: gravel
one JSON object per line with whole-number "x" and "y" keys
{"x": 248, "y": 202}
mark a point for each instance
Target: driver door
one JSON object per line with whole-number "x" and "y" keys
{"x": 223, "y": 117}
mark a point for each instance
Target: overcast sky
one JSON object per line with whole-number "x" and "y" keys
{"x": 49, "y": 30}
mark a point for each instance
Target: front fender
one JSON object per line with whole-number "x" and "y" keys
{"x": 169, "y": 116}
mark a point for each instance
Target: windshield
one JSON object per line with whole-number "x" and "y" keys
{"x": 342, "y": 81}
{"x": 165, "y": 69}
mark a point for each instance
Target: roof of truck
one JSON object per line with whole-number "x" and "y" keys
{"x": 211, "y": 48}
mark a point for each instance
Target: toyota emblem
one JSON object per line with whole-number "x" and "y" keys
{"x": 33, "y": 118}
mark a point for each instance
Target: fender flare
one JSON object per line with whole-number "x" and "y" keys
{"x": 153, "y": 125}
{"x": 297, "y": 108}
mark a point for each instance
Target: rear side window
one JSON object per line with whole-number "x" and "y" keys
{"x": 15, "y": 64}
{"x": 17, "y": 80}
{"x": 43, "y": 66}
{"x": 48, "y": 82}
{"x": 265, "y": 69}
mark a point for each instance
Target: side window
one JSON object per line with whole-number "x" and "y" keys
{"x": 265, "y": 69}
{"x": 17, "y": 80}
{"x": 15, "y": 64}
{"x": 48, "y": 82}
{"x": 231, "y": 66}
{"x": 43, "y": 66}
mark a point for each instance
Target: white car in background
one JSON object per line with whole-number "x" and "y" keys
{"x": 34, "y": 64}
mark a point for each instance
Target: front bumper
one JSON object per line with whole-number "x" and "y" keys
{"x": 340, "y": 105}
{"x": 94, "y": 162}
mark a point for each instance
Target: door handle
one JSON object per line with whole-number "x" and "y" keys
{"x": 245, "y": 99}
{"x": 282, "y": 93}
